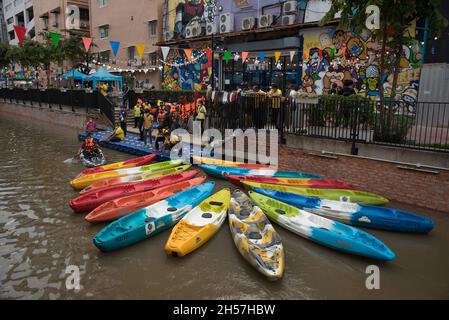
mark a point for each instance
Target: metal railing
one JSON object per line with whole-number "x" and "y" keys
{"x": 418, "y": 125}
{"x": 76, "y": 100}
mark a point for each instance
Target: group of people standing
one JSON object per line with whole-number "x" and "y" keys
{"x": 156, "y": 121}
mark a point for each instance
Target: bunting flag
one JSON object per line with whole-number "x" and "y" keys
{"x": 277, "y": 55}
{"x": 140, "y": 50}
{"x": 305, "y": 55}
{"x": 292, "y": 55}
{"x": 262, "y": 56}
{"x": 227, "y": 55}
{"x": 320, "y": 53}
{"x": 115, "y": 45}
{"x": 188, "y": 53}
{"x": 20, "y": 32}
{"x": 55, "y": 38}
{"x": 332, "y": 53}
{"x": 87, "y": 43}
{"x": 244, "y": 56}
{"x": 165, "y": 52}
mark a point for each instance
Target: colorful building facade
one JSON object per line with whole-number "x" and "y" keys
{"x": 322, "y": 55}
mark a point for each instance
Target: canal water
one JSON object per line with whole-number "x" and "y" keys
{"x": 40, "y": 237}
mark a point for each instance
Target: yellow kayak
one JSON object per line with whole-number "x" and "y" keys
{"x": 223, "y": 163}
{"x": 137, "y": 162}
{"x": 85, "y": 181}
{"x": 199, "y": 225}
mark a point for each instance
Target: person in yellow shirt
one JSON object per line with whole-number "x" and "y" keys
{"x": 137, "y": 112}
{"x": 275, "y": 94}
{"x": 201, "y": 115}
{"x": 104, "y": 89}
{"x": 117, "y": 136}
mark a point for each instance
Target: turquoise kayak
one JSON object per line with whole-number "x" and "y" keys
{"x": 149, "y": 221}
{"x": 222, "y": 172}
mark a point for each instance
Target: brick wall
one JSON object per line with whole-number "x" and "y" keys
{"x": 412, "y": 187}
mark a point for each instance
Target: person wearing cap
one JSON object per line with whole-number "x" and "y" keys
{"x": 137, "y": 112}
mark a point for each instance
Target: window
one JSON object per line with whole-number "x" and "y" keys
{"x": 32, "y": 33}
{"x": 10, "y": 20}
{"x": 102, "y": 3}
{"x": 131, "y": 53}
{"x": 152, "y": 59}
{"x": 105, "y": 56}
{"x": 104, "y": 32}
{"x": 152, "y": 27}
{"x": 12, "y": 36}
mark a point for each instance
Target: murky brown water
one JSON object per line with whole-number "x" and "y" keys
{"x": 40, "y": 237}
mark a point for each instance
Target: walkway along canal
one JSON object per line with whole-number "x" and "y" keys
{"x": 40, "y": 237}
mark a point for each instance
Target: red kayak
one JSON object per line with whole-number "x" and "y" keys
{"x": 90, "y": 201}
{"x": 137, "y": 162}
{"x": 297, "y": 182}
{"x": 121, "y": 207}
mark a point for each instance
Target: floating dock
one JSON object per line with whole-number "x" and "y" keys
{"x": 133, "y": 145}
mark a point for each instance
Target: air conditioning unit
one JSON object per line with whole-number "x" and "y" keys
{"x": 226, "y": 22}
{"x": 211, "y": 28}
{"x": 290, "y": 6}
{"x": 249, "y": 23}
{"x": 289, "y": 19}
{"x": 265, "y": 20}
{"x": 193, "y": 30}
{"x": 168, "y": 35}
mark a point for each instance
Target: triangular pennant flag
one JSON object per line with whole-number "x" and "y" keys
{"x": 277, "y": 55}
{"x": 332, "y": 53}
{"x": 188, "y": 53}
{"x": 320, "y": 53}
{"x": 262, "y": 56}
{"x": 227, "y": 55}
{"x": 115, "y": 45}
{"x": 292, "y": 55}
{"x": 55, "y": 38}
{"x": 165, "y": 51}
{"x": 20, "y": 32}
{"x": 140, "y": 50}
{"x": 209, "y": 55}
{"x": 244, "y": 56}
{"x": 87, "y": 43}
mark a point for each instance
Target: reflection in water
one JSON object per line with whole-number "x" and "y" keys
{"x": 40, "y": 237}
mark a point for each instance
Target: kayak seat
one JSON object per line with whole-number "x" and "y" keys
{"x": 172, "y": 209}
{"x": 206, "y": 215}
{"x": 215, "y": 203}
{"x": 280, "y": 211}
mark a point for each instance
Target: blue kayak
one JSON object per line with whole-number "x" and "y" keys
{"x": 323, "y": 231}
{"x": 149, "y": 221}
{"x": 221, "y": 172}
{"x": 355, "y": 214}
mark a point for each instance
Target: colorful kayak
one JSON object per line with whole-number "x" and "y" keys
{"x": 324, "y": 231}
{"x": 216, "y": 162}
{"x": 355, "y": 214}
{"x": 133, "y": 179}
{"x": 255, "y": 237}
{"x": 359, "y": 197}
{"x": 151, "y": 220}
{"x": 92, "y": 200}
{"x": 199, "y": 225}
{"x": 121, "y": 207}
{"x": 85, "y": 181}
{"x": 221, "y": 172}
{"x": 137, "y": 162}
{"x": 294, "y": 182}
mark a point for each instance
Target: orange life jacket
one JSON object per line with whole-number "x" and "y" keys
{"x": 89, "y": 145}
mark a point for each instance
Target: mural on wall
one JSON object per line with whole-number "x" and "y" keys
{"x": 194, "y": 76}
{"x": 332, "y": 56}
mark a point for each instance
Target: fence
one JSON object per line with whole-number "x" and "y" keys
{"x": 405, "y": 124}
{"x": 54, "y": 98}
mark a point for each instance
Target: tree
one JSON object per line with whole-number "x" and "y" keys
{"x": 73, "y": 50}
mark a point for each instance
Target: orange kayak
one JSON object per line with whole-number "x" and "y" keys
{"x": 97, "y": 186}
{"x": 121, "y": 207}
{"x": 137, "y": 162}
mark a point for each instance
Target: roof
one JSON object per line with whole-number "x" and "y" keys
{"x": 69, "y": 75}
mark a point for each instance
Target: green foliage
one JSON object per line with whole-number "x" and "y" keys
{"x": 395, "y": 132}
{"x": 4, "y": 59}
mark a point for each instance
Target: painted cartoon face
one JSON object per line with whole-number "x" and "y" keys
{"x": 372, "y": 83}
{"x": 355, "y": 46}
{"x": 325, "y": 40}
{"x": 338, "y": 39}
{"x": 336, "y": 76}
{"x": 314, "y": 61}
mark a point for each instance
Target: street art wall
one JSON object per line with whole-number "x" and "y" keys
{"x": 332, "y": 56}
